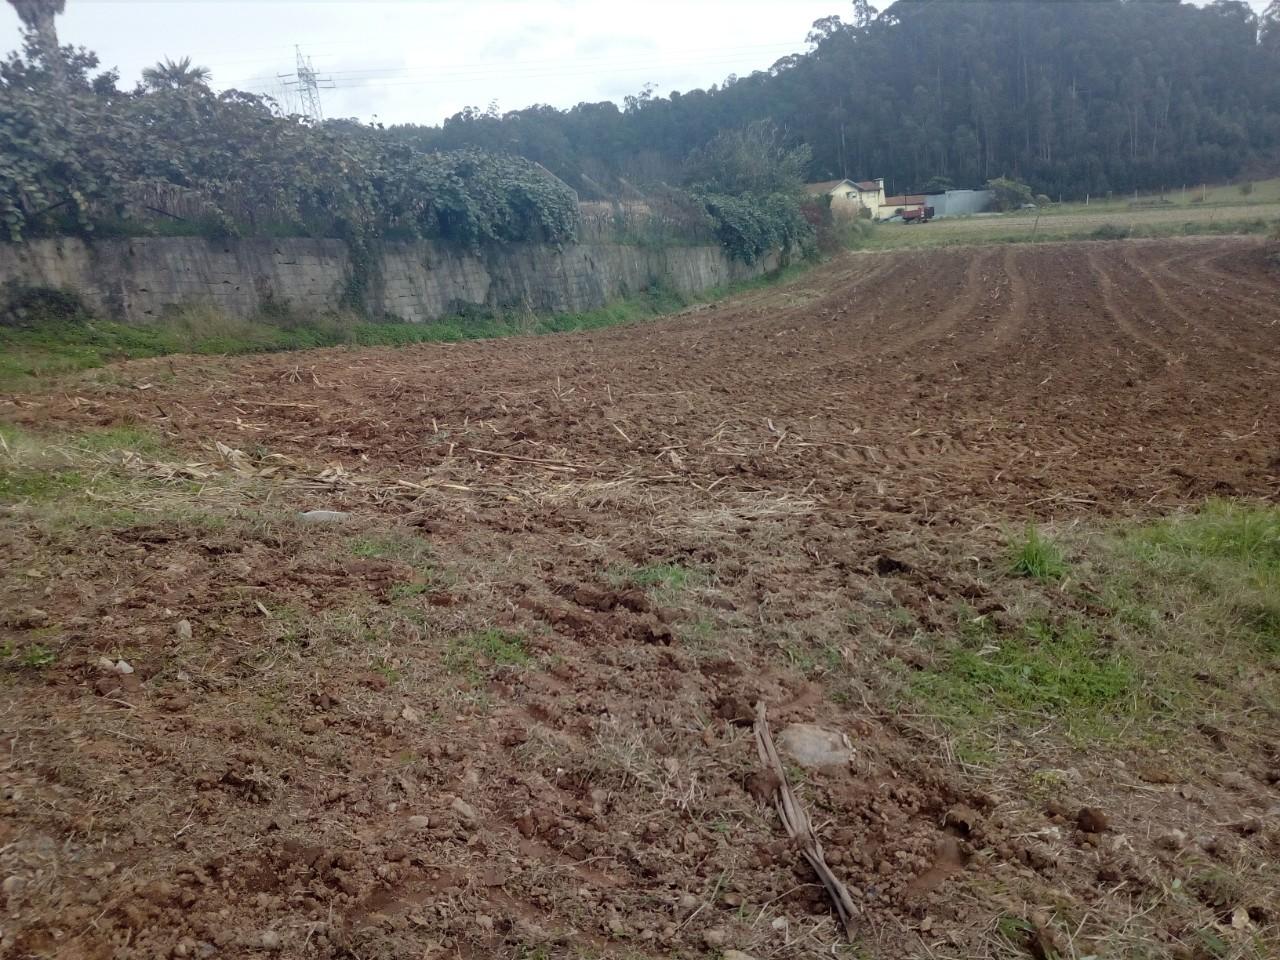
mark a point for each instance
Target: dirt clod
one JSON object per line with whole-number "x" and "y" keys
{"x": 1092, "y": 820}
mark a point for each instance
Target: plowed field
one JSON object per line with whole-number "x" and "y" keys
{"x": 503, "y": 708}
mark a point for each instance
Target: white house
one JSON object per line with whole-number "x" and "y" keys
{"x": 850, "y": 197}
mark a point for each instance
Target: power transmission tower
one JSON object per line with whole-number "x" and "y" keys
{"x": 306, "y": 84}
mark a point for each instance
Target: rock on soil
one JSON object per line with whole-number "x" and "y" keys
{"x": 814, "y": 747}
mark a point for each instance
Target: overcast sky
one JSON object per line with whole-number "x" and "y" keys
{"x": 423, "y": 60}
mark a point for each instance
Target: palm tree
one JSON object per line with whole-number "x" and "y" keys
{"x": 38, "y": 18}
{"x": 175, "y": 75}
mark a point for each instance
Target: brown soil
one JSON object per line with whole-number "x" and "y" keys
{"x": 314, "y": 772}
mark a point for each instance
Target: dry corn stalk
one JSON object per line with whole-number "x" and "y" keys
{"x": 798, "y": 825}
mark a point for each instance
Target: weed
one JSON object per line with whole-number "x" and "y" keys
{"x": 1038, "y": 558}
{"x": 36, "y": 657}
{"x": 1217, "y": 888}
{"x": 388, "y": 671}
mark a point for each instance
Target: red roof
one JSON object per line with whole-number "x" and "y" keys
{"x": 905, "y": 201}
{"x": 870, "y": 185}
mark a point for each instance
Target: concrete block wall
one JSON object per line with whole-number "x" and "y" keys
{"x": 138, "y": 280}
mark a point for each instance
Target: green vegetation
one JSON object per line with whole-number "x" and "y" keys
{"x": 1038, "y": 558}
{"x": 38, "y": 484}
{"x": 750, "y": 182}
{"x": 29, "y": 354}
{"x": 1095, "y": 225}
{"x": 666, "y": 576}
{"x": 667, "y": 582}
{"x": 1009, "y": 194}
{"x": 402, "y": 547}
{"x": 81, "y": 154}
{"x": 1045, "y": 671}
{"x": 1100, "y": 97}
{"x": 1222, "y": 565}
{"x": 476, "y": 654}
{"x": 1169, "y": 621}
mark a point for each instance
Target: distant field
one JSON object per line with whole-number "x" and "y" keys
{"x": 1111, "y": 221}
{"x": 1231, "y": 194}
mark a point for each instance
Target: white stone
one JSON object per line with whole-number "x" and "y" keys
{"x": 815, "y": 747}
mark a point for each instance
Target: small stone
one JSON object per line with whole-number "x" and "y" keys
{"x": 1172, "y": 840}
{"x": 12, "y": 886}
{"x": 688, "y": 902}
{"x": 183, "y": 629}
{"x": 418, "y": 823}
{"x": 715, "y": 937}
{"x": 123, "y": 668}
{"x": 270, "y": 940}
{"x": 1092, "y": 820}
{"x": 736, "y": 955}
{"x": 106, "y": 665}
{"x": 410, "y": 715}
{"x": 464, "y": 810}
{"x": 312, "y": 725}
{"x": 323, "y": 516}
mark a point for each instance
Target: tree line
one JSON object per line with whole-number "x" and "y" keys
{"x": 1072, "y": 98}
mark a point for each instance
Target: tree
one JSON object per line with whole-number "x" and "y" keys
{"x": 175, "y": 75}
{"x": 1271, "y": 26}
{"x": 39, "y": 19}
{"x": 754, "y": 160}
{"x": 1010, "y": 194}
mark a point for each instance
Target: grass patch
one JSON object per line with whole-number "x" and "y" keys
{"x": 1038, "y": 558}
{"x": 665, "y": 576}
{"x": 666, "y": 583}
{"x": 402, "y": 548}
{"x": 1219, "y": 567}
{"x": 1045, "y": 671}
{"x": 476, "y": 654}
{"x": 39, "y": 485}
{"x": 1023, "y": 228}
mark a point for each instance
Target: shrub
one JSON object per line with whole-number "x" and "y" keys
{"x": 1109, "y": 231}
{"x": 29, "y": 307}
{"x": 1009, "y": 194}
{"x": 749, "y": 227}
